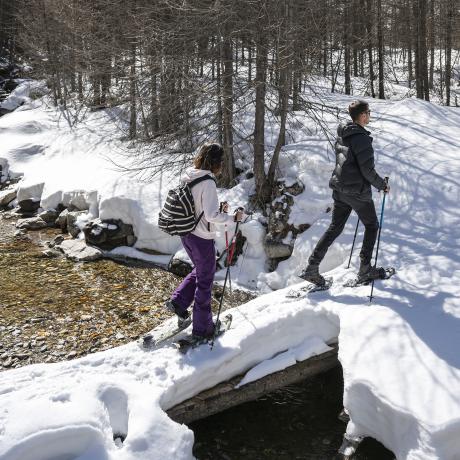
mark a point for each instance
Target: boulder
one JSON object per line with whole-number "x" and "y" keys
{"x": 7, "y": 196}
{"x": 61, "y": 221}
{"x": 30, "y": 193}
{"x": 276, "y": 249}
{"x": 109, "y": 234}
{"x": 49, "y": 216}
{"x": 79, "y": 251}
{"x": 31, "y": 223}
{"x": 29, "y": 205}
{"x": 72, "y": 226}
{"x": 180, "y": 267}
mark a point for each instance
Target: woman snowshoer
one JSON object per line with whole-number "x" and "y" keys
{"x": 199, "y": 244}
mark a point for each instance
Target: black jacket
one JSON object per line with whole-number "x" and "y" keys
{"x": 354, "y": 162}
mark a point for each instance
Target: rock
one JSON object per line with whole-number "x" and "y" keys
{"x": 58, "y": 240}
{"x": 109, "y": 234}
{"x": 179, "y": 267}
{"x": 49, "y": 216}
{"x": 61, "y": 221}
{"x": 72, "y": 354}
{"x": 4, "y": 168}
{"x": 31, "y": 223}
{"x": 7, "y": 196}
{"x": 78, "y": 250}
{"x": 50, "y": 253}
{"x": 4, "y": 111}
{"x": 72, "y": 218}
{"x": 22, "y": 355}
{"x": 29, "y": 205}
{"x": 86, "y": 317}
{"x": 277, "y": 249}
{"x": 8, "y": 362}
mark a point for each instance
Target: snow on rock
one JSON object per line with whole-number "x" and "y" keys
{"x": 138, "y": 204}
{"x": 30, "y": 191}
{"x": 23, "y": 93}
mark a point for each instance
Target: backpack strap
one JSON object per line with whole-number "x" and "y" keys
{"x": 200, "y": 179}
{"x": 197, "y": 181}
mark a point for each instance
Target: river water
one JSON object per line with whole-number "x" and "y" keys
{"x": 54, "y": 309}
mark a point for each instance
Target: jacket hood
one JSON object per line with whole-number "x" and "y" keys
{"x": 193, "y": 173}
{"x": 350, "y": 129}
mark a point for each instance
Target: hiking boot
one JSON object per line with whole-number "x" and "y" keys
{"x": 209, "y": 335}
{"x": 311, "y": 274}
{"x": 183, "y": 318}
{"x": 368, "y": 273}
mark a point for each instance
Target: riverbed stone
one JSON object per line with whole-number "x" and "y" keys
{"x": 109, "y": 234}
{"x": 49, "y": 216}
{"x": 61, "y": 221}
{"x": 7, "y": 196}
{"x": 79, "y": 251}
{"x": 31, "y": 223}
{"x": 29, "y": 205}
{"x": 179, "y": 267}
{"x": 72, "y": 226}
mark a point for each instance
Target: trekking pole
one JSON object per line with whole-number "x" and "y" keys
{"x": 227, "y": 275}
{"x": 353, "y": 245}
{"x": 378, "y": 239}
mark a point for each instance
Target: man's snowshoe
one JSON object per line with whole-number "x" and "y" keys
{"x": 193, "y": 341}
{"x": 310, "y": 288}
{"x": 382, "y": 274}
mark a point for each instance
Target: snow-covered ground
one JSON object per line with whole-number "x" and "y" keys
{"x": 400, "y": 355}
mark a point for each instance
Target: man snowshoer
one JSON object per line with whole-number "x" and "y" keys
{"x": 351, "y": 182}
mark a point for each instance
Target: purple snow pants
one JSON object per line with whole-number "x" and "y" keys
{"x": 197, "y": 285}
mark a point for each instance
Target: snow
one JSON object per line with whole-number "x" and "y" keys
{"x": 309, "y": 347}
{"x": 399, "y": 354}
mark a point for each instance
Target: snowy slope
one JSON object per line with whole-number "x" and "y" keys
{"x": 400, "y": 355}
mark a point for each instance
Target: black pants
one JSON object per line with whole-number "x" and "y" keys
{"x": 343, "y": 204}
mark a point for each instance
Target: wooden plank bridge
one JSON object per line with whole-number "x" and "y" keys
{"x": 225, "y": 395}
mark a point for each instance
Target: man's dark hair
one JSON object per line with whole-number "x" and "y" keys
{"x": 356, "y": 108}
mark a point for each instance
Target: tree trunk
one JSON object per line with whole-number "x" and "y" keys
{"x": 228, "y": 171}
{"x": 448, "y": 63}
{"x": 381, "y": 50}
{"x": 283, "y": 90}
{"x": 259, "y": 122}
{"x": 132, "y": 94}
{"x": 369, "y": 46}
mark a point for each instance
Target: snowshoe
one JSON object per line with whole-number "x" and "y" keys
{"x": 383, "y": 274}
{"x": 193, "y": 341}
{"x": 149, "y": 341}
{"x": 310, "y": 288}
